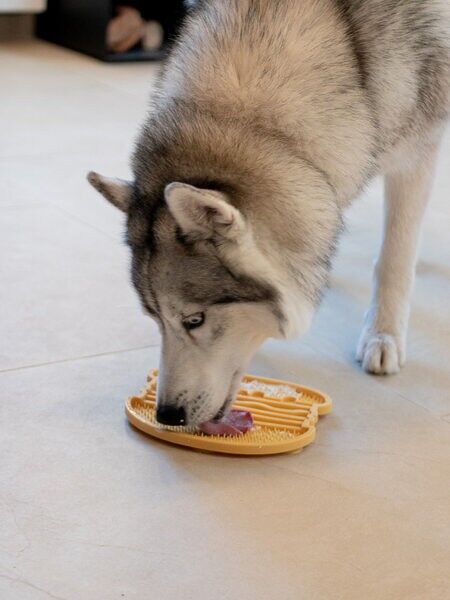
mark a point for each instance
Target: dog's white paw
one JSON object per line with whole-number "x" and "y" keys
{"x": 380, "y": 353}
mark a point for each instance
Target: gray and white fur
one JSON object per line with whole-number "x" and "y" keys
{"x": 268, "y": 120}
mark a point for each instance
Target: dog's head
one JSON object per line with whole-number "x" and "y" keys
{"x": 200, "y": 275}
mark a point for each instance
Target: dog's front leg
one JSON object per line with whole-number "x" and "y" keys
{"x": 381, "y": 347}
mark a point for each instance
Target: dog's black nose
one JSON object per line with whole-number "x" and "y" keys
{"x": 171, "y": 415}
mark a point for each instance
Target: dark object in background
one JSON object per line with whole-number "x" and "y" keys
{"x": 81, "y": 25}
{"x": 169, "y": 13}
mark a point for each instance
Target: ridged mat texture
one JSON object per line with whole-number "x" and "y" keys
{"x": 284, "y": 414}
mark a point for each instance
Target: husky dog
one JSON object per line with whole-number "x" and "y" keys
{"x": 268, "y": 119}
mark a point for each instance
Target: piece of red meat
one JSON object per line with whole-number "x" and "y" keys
{"x": 236, "y": 422}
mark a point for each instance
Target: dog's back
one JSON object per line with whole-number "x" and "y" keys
{"x": 403, "y": 51}
{"x": 341, "y": 82}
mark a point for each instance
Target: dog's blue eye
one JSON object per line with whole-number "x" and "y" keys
{"x": 194, "y": 321}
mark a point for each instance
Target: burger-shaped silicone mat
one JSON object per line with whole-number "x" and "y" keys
{"x": 284, "y": 415}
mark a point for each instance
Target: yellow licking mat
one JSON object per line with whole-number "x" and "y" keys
{"x": 284, "y": 416}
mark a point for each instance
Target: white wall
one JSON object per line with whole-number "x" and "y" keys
{"x": 22, "y": 6}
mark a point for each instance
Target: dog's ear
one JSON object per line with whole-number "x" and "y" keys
{"x": 202, "y": 213}
{"x": 117, "y": 191}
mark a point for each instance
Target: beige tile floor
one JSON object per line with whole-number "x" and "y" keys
{"x": 92, "y": 510}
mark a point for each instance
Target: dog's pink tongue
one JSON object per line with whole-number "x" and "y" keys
{"x": 236, "y": 422}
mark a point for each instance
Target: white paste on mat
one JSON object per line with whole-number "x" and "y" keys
{"x": 272, "y": 390}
